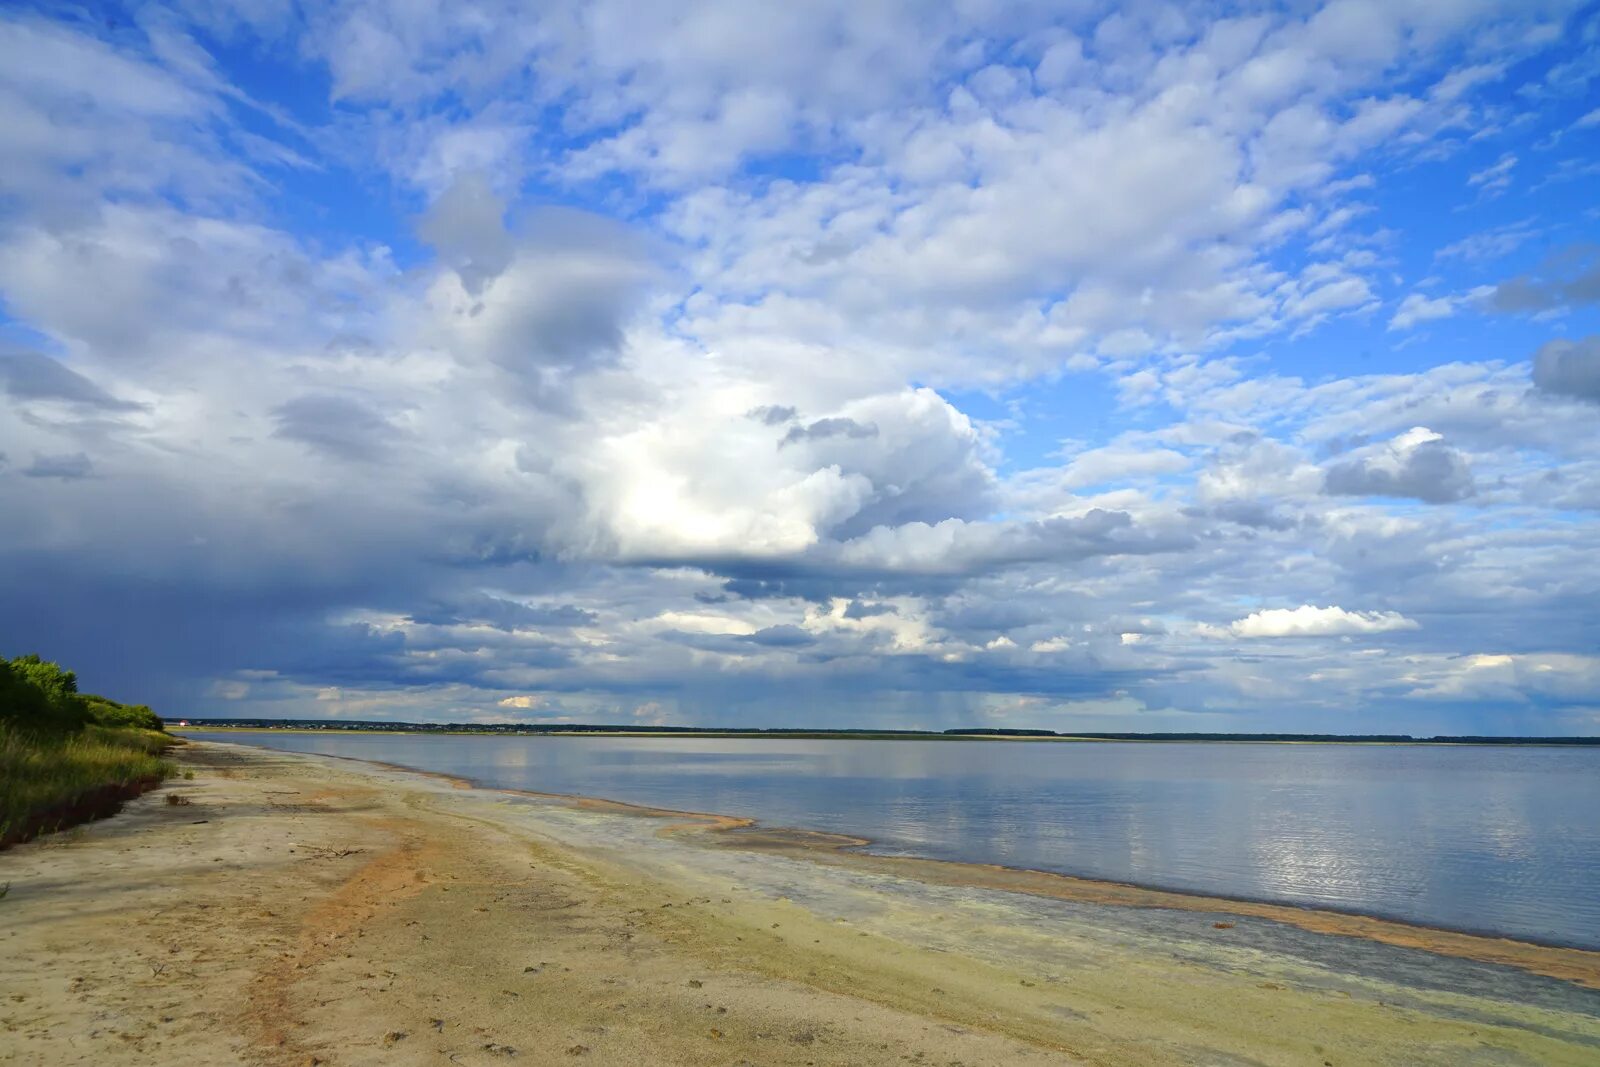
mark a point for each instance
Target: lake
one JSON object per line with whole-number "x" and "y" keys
{"x": 1484, "y": 839}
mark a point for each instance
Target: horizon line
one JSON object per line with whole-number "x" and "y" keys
{"x": 504, "y": 726}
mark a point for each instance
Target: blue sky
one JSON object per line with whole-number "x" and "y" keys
{"x": 1069, "y": 365}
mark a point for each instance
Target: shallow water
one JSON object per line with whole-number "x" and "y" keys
{"x": 1494, "y": 840}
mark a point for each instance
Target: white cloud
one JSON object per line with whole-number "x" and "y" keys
{"x": 1417, "y": 308}
{"x": 1515, "y": 678}
{"x": 1495, "y": 178}
{"x": 1490, "y": 244}
{"x": 1338, "y": 295}
{"x": 1310, "y": 621}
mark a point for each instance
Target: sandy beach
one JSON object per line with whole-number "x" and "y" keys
{"x": 305, "y": 910}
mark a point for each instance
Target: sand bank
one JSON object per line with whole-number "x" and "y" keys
{"x": 306, "y": 910}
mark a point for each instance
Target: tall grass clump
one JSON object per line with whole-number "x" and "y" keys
{"x": 66, "y": 757}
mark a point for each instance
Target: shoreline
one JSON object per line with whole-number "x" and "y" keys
{"x": 1572, "y": 963}
{"x": 818, "y": 845}
{"x": 1580, "y": 742}
{"x": 299, "y": 908}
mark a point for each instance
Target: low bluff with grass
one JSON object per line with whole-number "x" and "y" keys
{"x": 67, "y": 757}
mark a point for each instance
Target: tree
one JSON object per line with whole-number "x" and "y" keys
{"x": 40, "y": 694}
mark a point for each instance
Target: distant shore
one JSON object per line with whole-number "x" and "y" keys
{"x": 296, "y": 909}
{"x": 600, "y": 730}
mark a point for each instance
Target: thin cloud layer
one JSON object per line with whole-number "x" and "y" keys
{"x": 840, "y": 366}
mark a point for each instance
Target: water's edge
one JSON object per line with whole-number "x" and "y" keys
{"x": 1566, "y": 961}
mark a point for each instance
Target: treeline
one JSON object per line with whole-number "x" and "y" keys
{"x": 37, "y": 694}
{"x": 863, "y": 733}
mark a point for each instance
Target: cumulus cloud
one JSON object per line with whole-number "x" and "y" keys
{"x": 954, "y": 546}
{"x": 1569, "y": 368}
{"x": 544, "y": 304}
{"x": 1498, "y": 676}
{"x": 1417, "y": 464}
{"x": 881, "y": 460}
{"x": 1310, "y": 621}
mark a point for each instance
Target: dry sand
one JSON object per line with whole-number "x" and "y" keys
{"x": 303, "y": 910}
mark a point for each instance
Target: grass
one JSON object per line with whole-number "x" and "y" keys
{"x": 49, "y": 781}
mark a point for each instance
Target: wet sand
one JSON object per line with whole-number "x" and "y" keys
{"x": 305, "y": 910}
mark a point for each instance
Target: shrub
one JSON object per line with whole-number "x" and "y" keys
{"x": 36, "y": 694}
{"x": 110, "y": 713}
{"x": 39, "y": 695}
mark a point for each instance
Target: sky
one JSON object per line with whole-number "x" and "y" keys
{"x": 1077, "y": 366}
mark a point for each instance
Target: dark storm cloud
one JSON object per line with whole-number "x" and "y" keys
{"x": 161, "y": 641}
{"x": 860, "y": 610}
{"x": 34, "y": 376}
{"x": 337, "y": 426}
{"x": 361, "y": 655}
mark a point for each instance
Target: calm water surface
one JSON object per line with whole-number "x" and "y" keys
{"x": 1500, "y": 840}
